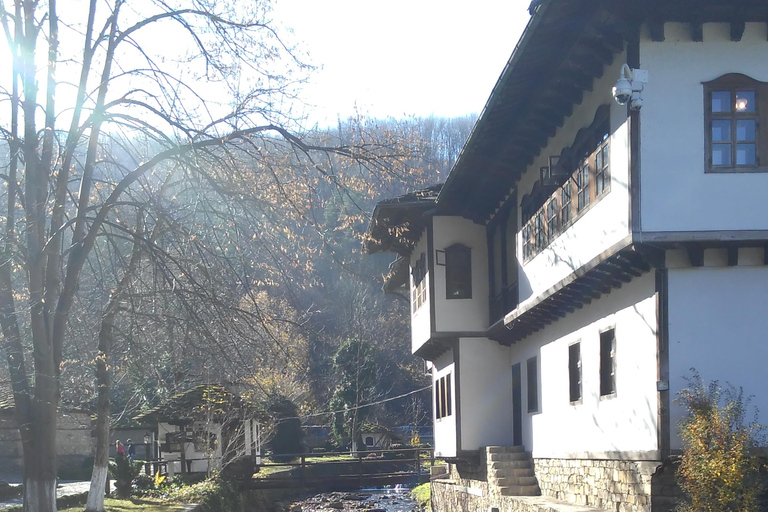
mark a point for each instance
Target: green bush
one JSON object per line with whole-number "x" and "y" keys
{"x": 123, "y": 472}
{"x": 214, "y": 495}
{"x": 717, "y": 471}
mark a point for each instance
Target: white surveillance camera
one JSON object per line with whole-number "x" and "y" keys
{"x": 622, "y": 91}
{"x": 629, "y": 86}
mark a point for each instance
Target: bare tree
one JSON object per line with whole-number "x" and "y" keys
{"x": 212, "y": 109}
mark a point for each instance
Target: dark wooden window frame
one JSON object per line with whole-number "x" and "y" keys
{"x": 532, "y": 384}
{"x": 608, "y": 363}
{"x": 419, "y": 289}
{"x": 458, "y": 272}
{"x": 733, "y": 83}
{"x": 443, "y": 397}
{"x": 575, "y": 392}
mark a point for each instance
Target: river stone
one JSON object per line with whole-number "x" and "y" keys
{"x": 336, "y": 504}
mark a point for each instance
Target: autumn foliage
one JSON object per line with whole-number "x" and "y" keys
{"x": 718, "y": 471}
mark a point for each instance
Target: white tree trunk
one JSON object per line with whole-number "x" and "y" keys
{"x": 39, "y": 495}
{"x": 97, "y": 490}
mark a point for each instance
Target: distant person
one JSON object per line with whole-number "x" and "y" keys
{"x": 131, "y": 450}
{"x": 119, "y": 449}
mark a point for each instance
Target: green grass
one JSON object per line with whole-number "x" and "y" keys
{"x": 422, "y": 494}
{"x": 111, "y": 505}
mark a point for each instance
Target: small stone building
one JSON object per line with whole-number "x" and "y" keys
{"x": 73, "y": 437}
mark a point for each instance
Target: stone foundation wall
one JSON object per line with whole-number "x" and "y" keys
{"x": 622, "y": 486}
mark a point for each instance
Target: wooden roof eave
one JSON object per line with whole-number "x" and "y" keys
{"x": 604, "y": 274}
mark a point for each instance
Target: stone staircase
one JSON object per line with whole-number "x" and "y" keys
{"x": 511, "y": 471}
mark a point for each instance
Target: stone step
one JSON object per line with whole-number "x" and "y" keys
{"x": 505, "y": 449}
{"x": 510, "y": 464}
{"x": 494, "y": 457}
{"x": 524, "y": 481}
{"x": 520, "y": 490}
{"x": 509, "y": 473}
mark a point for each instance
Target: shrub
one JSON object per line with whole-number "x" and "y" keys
{"x": 717, "y": 471}
{"x": 123, "y": 472}
{"x": 214, "y": 495}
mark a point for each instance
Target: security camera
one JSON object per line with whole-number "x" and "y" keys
{"x": 629, "y": 86}
{"x": 622, "y": 91}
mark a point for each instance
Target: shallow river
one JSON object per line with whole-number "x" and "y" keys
{"x": 377, "y": 500}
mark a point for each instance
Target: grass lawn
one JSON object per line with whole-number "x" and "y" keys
{"x": 129, "y": 505}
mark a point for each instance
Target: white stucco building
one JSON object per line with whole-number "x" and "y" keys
{"x": 584, "y": 255}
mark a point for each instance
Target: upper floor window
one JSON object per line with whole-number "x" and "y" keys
{"x": 458, "y": 272}
{"x": 419, "y": 289}
{"x": 574, "y": 372}
{"x": 735, "y": 105}
{"x": 608, "y": 362}
{"x": 443, "y": 399}
{"x": 549, "y": 210}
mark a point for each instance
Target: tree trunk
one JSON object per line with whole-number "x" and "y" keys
{"x": 40, "y": 457}
{"x": 95, "y": 502}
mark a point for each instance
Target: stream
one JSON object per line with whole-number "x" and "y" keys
{"x": 367, "y": 500}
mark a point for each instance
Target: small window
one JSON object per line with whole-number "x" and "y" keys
{"x": 458, "y": 272}
{"x": 369, "y": 441}
{"x": 532, "y": 378}
{"x": 734, "y": 107}
{"x": 552, "y": 214}
{"x": 608, "y": 362}
{"x": 565, "y": 204}
{"x": 602, "y": 168}
{"x": 574, "y": 372}
{"x": 582, "y": 186}
{"x": 443, "y": 405}
{"x": 419, "y": 290}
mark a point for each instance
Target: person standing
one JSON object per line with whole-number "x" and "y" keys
{"x": 119, "y": 449}
{"x": 131, "y": 450}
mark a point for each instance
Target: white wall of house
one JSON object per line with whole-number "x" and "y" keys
{"x": 606, "y": 221}
{"x": 200, "y": 457}
{"x": 626, "y": 421}
{"x": 421, "y": 327}
{"x": 452, "y": 315}
{"x": 445, "y": 428}
{"x": 718, "y": 325}
{"x": 676, "y": 193}
{"x": 485, "y": 389}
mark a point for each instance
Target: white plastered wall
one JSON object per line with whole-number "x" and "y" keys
{"x": 485, "y": 393}
{"x": 421, "y": 327}
{"x": 462, "y": 315}
{"x": 676, "y": 193}
{"x": 596, "y": 426}
{"x": 606, "y": 222}
{"x": 718, "y": 325}
{"x": 445, "y": 428}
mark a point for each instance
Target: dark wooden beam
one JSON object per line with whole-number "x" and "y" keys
{"x": 697, "y": 31}
{"x": 695, "y": 254}
{"x": 656, "y": 29}
{"x": 737, "y": 29}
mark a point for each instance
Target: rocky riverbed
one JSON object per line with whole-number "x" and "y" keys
{"x": 358, "y": 501}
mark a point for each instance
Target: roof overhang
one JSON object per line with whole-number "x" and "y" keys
{"x": 397, "y": 224}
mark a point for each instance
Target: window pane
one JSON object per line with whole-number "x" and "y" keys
{"x": 745, "y": 101}
{"x": 745, "y": 129}
{"x": 721, "y": 130}
{"x": 721, "y": 101}
{"x": 745, "y": 154}
{"x": 721, "y": 154}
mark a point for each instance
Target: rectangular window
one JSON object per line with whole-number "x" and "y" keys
{"x": 565, "y": 204}
{"x": 458, "y": 272}
{"x": 539, "y": 235}
{"x": 443, "y": 398}
{"x": 532, "y": 379}
{"x": 608, "y": 362}
{"x": 582, "y": 186}
{"x": 735, "y": 105}
{"x": 602, "y": 169}
{"x": 419, "y": 290}
{"x": 552, "y": 215}
{"x": 574, "y": 372}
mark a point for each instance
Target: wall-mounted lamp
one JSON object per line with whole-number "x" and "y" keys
{"x": 629, "y": 86}
{"x": 440, "y": 258}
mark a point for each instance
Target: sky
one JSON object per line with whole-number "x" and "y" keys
{"x": 402, "y": 57}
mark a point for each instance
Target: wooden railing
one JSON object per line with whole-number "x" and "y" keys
{"x": 344, "y": 470}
